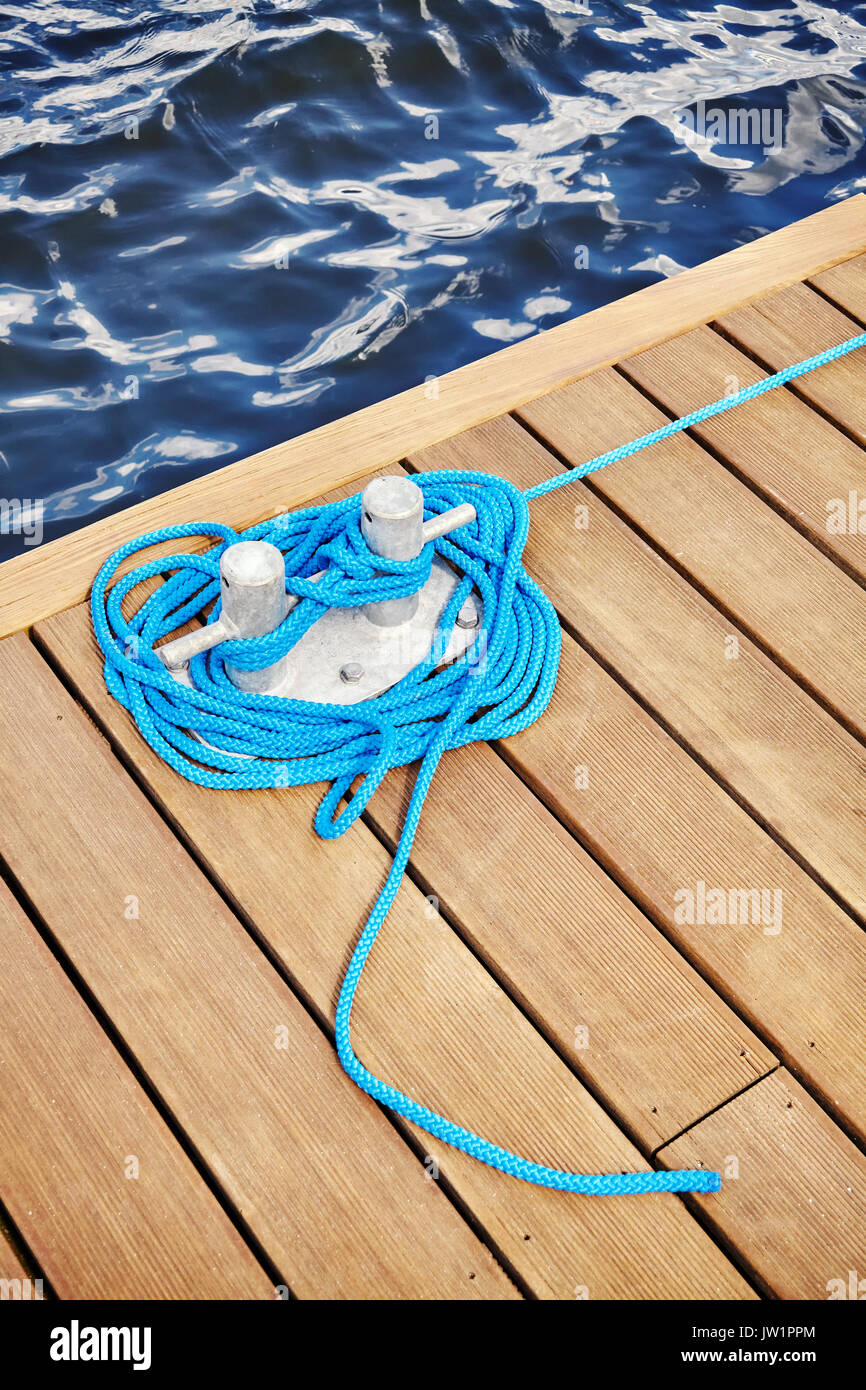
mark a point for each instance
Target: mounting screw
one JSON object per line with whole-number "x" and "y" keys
{"x": 351, "y": 672}
{"x": 468, "y": 615}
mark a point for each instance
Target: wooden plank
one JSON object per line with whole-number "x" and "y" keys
{"x": 795, "y": 458}
{"x": 431, "y": 1019}
{"x": 796, "y": 1209}
{"x": 719, "y": 533}
{"x": 797, "y": 323}
{"x": 660, "y": 825}
{"x": 313, "y": 1166}
{"x": 89, "y": 1172}
{"x": 596, "y": 964}
{"x": 16, "y": 1282}
{"x": 845, "y": 284}
{"x": 584, "y": 921}
{"x": 59, "y": 574}
{"x": 526, "y": 880}
{"x": 784, "y": 757}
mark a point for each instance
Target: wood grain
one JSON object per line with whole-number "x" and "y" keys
{"x": 544, "y": 890}
{"x": 788, "y": 760}
{"x": 796, "y": 1209}
{"x": 660, "y": 824}
{"x": 726, "y": 539}
{"x": 58, "y": 574}
{"x": 313, "y": 1166}
{"x": 793, "y": 456}
{"x": 11, "y": 1269}
{"x": 430, "y": 1019}
{"x": 571, "y": 946}
{"x": 845, "y": 284}
{"x": 98, "y": 1187}
{"x": 792, "y": 325}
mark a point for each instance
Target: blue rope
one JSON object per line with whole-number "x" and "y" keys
{"x": 218, "y": 736}
{"x": 697, "y": 417}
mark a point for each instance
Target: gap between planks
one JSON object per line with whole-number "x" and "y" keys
{"x": 567, "y": 1238}
{"x": 314, "y": 1166}
{"x": 735, "y": 550}
{"x": 801, "y": 1238}
{"x": 86, "y": 1120}
{"x": 847, "y": 292}
{"x": 656, "y": 845}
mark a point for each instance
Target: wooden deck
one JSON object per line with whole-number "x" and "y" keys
{"x": 173, "y": 1120}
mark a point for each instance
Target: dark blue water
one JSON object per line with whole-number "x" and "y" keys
{"x": 224, "y": 224}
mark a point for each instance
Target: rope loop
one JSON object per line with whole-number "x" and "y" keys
{"x": 224, "y": 738}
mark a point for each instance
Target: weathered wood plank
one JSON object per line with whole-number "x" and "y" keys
{"x": 796, "y": 323}
{"x": 585, "y": 921}
{"x": 59, "y": 574}
{"x": 591, "y": 970}
{"x": 783, "y": 755}
{"x": 796, "y": 1208}
{"x": 314, "y": 1167}
{"x": 98, "y": 1187}
{"x": 845, "y": 284}
{"x": 431, "y": 1019}
{"x": 784, "y": 448}
{"x": 725, "y": 538}
{"x": 661, "y": 825}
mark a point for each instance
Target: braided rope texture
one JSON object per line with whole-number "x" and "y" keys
{"x": 220, "y": 737}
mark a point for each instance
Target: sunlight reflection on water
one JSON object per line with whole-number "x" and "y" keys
{"x": 223, "y": 224}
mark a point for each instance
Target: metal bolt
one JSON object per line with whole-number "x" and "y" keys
{"x": 351, "y": 672}
{"x": 468, "y": 615}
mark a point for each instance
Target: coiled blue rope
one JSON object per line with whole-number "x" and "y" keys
{"x": 221, "y": 737}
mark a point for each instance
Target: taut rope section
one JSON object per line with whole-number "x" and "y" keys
{"x": 501, "y": 685}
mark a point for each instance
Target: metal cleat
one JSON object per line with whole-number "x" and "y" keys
{"x": 349, "y": 654}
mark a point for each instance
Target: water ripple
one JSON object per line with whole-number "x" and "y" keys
{"x": 225, "y": 223}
